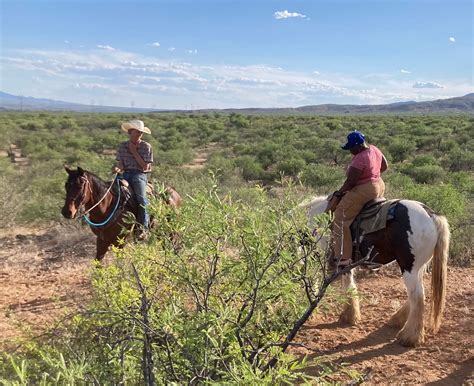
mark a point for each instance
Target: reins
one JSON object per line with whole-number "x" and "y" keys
{"x": 84, "y": 215}
{"x": 103, "y": 197}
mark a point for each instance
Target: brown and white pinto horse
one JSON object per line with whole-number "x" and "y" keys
{"x": 86, "y": 191}
{"x": 412, "y": 238}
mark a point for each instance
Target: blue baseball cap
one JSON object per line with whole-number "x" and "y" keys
{"x": 353, "y": 139}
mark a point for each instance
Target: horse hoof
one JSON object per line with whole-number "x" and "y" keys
{"x": 409, "y": 341}
{"x": 350, "y": 317}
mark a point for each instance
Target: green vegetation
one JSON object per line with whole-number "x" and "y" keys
{"x": 230, "y": 230}
{"x": 431, "y": 157}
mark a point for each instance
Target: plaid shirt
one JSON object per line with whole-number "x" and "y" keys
{"x": 128, "y": 161}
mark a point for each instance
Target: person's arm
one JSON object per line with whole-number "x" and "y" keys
{"x": 384, "y": 165}
{"x": 134, "y": 151}
{"x": 118, "y": 167}
{"x": 353, "y": 176}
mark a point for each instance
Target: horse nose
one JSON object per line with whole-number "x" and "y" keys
{"x": 66, "y": 213}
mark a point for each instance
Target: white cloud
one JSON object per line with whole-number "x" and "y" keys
{"x": 171, "y": 49}
{"x": 285, "y": 14}
{"x": 155, "y": 44}
{"x": 451, "y": 39}
{"x": 104, "y": 47}
{"x": 79, "y": 75}
{"x": 427, "y": 85}
{"x": 66, "y": 41}
{"x": 194, "y": 52}
{"x": 405, "y": 71}
{"x": 316, "y": 73}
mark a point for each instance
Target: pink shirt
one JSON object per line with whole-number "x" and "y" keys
{"x": 370, "y": 162}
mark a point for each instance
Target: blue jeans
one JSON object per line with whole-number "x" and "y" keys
{"x": 138, "y": 182}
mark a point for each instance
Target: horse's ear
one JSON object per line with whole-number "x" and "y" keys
{"x": 68, "y": 169}
{"x": 80, "y": 170}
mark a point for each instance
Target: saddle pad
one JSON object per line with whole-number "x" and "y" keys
{"x": 378, "y": 220}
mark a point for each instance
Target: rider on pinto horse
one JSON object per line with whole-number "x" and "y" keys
{"x": 363, "y": 183}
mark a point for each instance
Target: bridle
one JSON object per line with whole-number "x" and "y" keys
{"x": 79, "y": 198}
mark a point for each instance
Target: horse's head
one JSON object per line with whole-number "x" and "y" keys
{"x": 317, "y": 206}
{"x": 77, "y": 192}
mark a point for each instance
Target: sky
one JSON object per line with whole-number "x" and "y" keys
{"x": 183, "y": 54}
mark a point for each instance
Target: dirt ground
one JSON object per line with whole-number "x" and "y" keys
{"x": 45, "y": 275}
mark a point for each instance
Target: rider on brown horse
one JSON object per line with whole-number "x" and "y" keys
{"x": 134, "y": 159}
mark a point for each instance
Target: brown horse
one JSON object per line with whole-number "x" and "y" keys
{"x": 105, "y": 206}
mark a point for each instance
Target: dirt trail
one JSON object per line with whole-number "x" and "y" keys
{"x": 201, "y": 156}
{"x": 45, "y": 275}
{"x": 446, "y": 358}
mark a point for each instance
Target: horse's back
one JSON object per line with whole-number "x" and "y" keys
{"x": 420, "y": 229}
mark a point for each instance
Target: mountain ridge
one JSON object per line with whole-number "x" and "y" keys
{"x": 463, "y": 104}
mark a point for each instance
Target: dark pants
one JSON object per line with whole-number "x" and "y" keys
{"x": 138, "y": 181}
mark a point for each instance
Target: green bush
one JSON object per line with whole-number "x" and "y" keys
{"x": 251, "y": 168}
{"x": 426, "y": 174}
{"x": 323, "y": 178}
{"x": 401, "y": 149}
{"x": 218, "y": 308}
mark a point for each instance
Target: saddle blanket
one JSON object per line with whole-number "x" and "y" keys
{"x": 374, "y": 216}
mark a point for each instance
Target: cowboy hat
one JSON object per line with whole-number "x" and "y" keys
{"x": 137, "y": 125}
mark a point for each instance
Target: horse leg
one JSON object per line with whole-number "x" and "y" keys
{"x": 351, "y": 311}
{"x": 400, "y": 317}
{"x": 102, "y": 247}
{"x": 412, "y": 332}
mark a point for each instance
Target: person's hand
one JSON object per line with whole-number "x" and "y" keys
{"x": 132, "y": 147}
{"x": 116, "y": 169}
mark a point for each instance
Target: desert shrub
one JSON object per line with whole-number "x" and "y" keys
{"x": 426, "y": 174}
{"x": 400, "y": 149}
{"x": 424, "y": 160}
{"x": 290, "y": 166}
{"x": 321, "y": 177}
{"x": 221, "y": 165}
{"x": 217, "y": 309}
{"x": 444, "y": 199}
{"x": 251, "y": 168}
{"x": 459, "y": 160}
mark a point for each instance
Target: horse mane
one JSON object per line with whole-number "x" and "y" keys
{"x": 98, "y": 183}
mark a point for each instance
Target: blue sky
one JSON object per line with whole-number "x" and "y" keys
{"x": 223, "y": 53}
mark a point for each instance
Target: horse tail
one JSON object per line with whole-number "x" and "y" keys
{"x": 439, "y": 271}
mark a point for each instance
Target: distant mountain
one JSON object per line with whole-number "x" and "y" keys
{"x": 464, "y": 104}
{"x": 16, "y": 102}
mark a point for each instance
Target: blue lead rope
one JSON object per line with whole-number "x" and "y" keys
{"x": 86, "y": 219}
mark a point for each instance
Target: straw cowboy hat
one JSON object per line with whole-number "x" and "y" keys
{"x": 137, "y": 125}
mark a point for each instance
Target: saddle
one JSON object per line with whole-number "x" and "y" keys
{"x": 373, "y": 217}
{"x": 130, "y": 201}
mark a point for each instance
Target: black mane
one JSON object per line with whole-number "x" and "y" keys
{"x": 99, "y": 186}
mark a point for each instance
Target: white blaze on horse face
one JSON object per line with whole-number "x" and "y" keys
{"x": 423, "y": 235}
